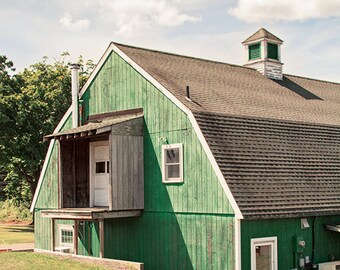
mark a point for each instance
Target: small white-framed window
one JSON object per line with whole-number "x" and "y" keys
{"x": 264, "y": 253}
{"x": 66, "y": 237}
{"x": 172, "y": 163}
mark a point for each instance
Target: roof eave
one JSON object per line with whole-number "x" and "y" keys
{"x": 260, "y": 39}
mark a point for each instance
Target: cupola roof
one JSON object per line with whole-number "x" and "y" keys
{"x": 261, "y": 34}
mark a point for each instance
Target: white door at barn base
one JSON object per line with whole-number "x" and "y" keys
{"x": 100, "y": 167}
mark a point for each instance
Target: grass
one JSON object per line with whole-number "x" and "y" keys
{"x": 16, "y": 234}
{"x": 35, "y": 261}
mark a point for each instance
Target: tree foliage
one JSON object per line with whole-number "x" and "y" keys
{"x": 32, "y": 103}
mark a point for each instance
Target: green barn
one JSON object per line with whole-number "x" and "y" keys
{"x": 185, "y": 163}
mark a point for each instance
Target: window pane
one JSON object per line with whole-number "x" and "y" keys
{"x": 172, "y": 155}
{"x": 108, "y": 166}
{"x": 66, "y": 236}
{"x": 264, "y": 257}
{"x": 172, "y": 171}
{"x": 100, "y": 167}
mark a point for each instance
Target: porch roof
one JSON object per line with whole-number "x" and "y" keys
{"x": 95, "y": 126}
{"x": 90, "y": 213}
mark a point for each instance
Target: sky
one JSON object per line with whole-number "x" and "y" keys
{"x": 211, "y": 29}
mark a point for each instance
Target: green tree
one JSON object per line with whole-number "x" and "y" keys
{"x": 9, "y": 88}
{"x": 31, "y": 105}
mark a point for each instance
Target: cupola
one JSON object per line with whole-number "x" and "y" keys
{"x": 263, "y": 53}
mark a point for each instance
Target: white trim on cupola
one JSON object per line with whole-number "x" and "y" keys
{"x": 271, "y": 68}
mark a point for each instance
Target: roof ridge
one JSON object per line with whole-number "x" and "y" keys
{"x": 213, "y": 61}
{"x": 182, "y": 55}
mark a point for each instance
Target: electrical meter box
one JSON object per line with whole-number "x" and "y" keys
{"x": 299, "y": 244}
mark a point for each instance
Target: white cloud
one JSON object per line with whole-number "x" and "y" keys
{"x": 132, "y": 17}
{"x": 255, "y": 11}
{"x": 79, "y": 25}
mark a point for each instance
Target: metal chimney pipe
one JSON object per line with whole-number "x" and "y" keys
{"x": 75, "y": 92}
{"x": 188, "y": 93}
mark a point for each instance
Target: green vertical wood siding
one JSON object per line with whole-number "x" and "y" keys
{"x": 195, "y": 216}
{"x": 327, "y": 243}
{"x": 42, "y": 231}
{"x": 48, "y": 196}
{"x": 173, "y": 241}
{"x": 119, "y": 87}
{"x": 89, "y": 244}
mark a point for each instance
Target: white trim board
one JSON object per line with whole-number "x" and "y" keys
{"x": 237, "y": 246}
{"x": 96, "y": 70}
{"x": 168, "y": 94}
{"x": 151, "y": 79}
{"x": 217, "y": 170}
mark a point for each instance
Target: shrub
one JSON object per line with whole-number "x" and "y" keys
{"x": 12, "y": 212}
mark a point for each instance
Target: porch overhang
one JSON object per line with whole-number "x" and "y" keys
{"x": 97, "y": 124}
{"x": 78, "y": 215}
{"x": 92, "y": 213}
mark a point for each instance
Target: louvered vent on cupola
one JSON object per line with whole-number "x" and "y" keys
{"x": 255, "y": 51}
{"x": 263, "y": 51}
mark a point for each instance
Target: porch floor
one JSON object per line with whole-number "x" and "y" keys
{"x": 89, "y": 213}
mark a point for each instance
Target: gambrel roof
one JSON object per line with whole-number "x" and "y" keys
{"x": 277, "y": 143}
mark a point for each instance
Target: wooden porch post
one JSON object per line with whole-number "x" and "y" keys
{"x": 101, "y": 237}
{"x": 52, "y": 234}
{"x": 89, "y": 234}
{"x": 60, "y": 178}
{"x": 75, "y": 237}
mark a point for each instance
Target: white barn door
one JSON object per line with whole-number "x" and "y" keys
{"x": 100, "y": 173}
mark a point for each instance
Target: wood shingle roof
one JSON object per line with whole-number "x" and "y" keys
{"x": 276, "y": 168}
{"x": 277, "y": 143}
{"x": 236, "y": 90}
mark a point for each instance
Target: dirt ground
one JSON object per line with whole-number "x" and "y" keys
{"x": 15, "y": 222}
